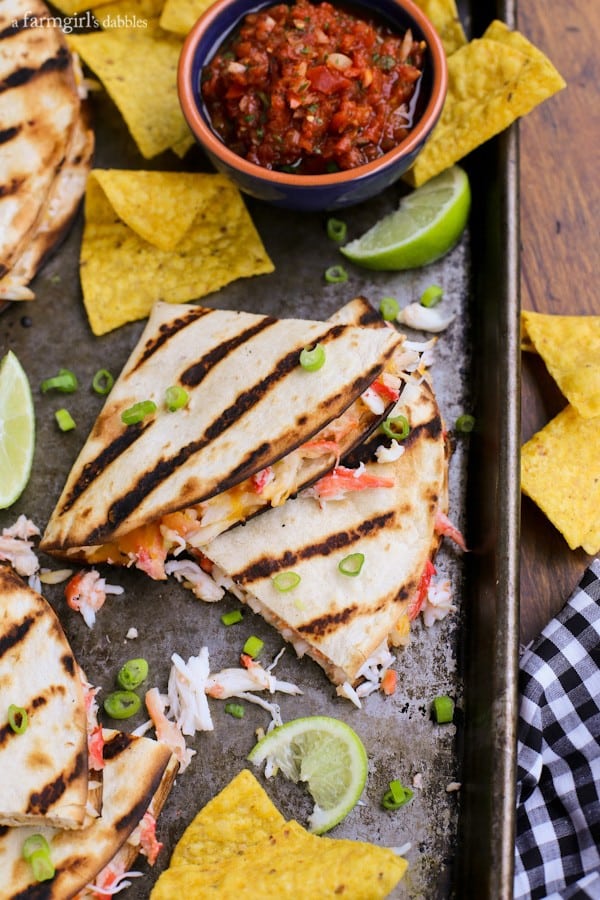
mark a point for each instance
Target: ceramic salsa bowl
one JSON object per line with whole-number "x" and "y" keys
{"x": 311, "y": 192}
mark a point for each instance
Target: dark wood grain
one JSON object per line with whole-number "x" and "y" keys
{"x": 560, "y": 255}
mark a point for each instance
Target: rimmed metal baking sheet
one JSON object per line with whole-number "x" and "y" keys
{"x": 460, "y": 841}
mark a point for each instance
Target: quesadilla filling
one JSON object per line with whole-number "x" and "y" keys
{"x": 148, "y": 546}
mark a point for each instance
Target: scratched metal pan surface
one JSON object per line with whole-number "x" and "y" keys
{"x": 459, "y": 843}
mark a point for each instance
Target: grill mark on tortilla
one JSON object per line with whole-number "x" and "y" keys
{"x": 193, "y": 375}
{"x": 268, "y": 565}
{"x": 320, "y": 626}
{"x": 96, "y": 466}
{"x": 121, "y": 508}
{"x": 68, "y": 663}
{"x": 116, "y": 745}
{"x": 16, "y": 634}
{"x": 41, "y": 801}
{"x": 167, "y": 331}
{"x": 25, "y": 74}
{"x": 6, "y": 135}
{"x": 134, "y": 815}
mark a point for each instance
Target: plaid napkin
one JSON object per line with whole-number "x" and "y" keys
{"x": 557, "y": 854}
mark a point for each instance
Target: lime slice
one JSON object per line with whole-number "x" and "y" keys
{"x": 17, "y": 430}
{"x": 427, "y": 224}
{"x": 326, "y": 754}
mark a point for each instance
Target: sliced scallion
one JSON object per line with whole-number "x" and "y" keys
{"x": 235, "y": 709}
{"x": 335, "y": 275}
{"x": 253, "y": 646}
{"x": 65, "y": 382}
{"x": 17, "y": 719}
{"x": 138, "y": 412}
{"x": 285, "y": 581}
{"x": 389, "y": 309}
{"x": 122, "y": 704}
{"x": 431, "y": 296}
{"x": 34, "y": 844}
{"x": 102, "y": 381}
{"x": 396, "y": 427}
{"x": 132, "y": 673}
{"x": 336, "y": 230}
{"x": 443, "y": 709}
{"x": 465, "y": 424}
{"x": 232, "y": 617}
{"x": 64, "y": 419}
{"x": 313, "y": 358}
{"x": 42, "y": 866}
{"x": 351, "y": 565}
{"x": 396, "y": 796}
{"x": 176, "y": 398}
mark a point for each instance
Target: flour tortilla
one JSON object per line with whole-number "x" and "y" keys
{"x": 39, "y": 111}
{"x": 338, "y": 620}
{"x": 138, "y": 776}
{"x": 45, "y": 769}
{"x": 250, "y": 403}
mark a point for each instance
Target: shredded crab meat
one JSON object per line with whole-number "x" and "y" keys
{"x": 438, "y": 602}
{"x": 17, "y": 548}
{"x": 187, "y": 693}
{"x": 346, "y": 691}
{"x": 191, "y": 575}
{"x": 374, "y": 401}
{"x": 113, "y": 883}
{"x": 444, "y": 526}
{"x": 389, "y": 454}
{"x": 168, "y": 732}
{"x": 425, "y": 318}
{"x": 86, "y": 593}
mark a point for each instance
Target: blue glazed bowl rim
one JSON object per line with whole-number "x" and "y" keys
{"x": 223, "y": 16}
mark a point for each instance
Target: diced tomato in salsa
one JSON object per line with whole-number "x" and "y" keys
{"x": 312, "y": 88}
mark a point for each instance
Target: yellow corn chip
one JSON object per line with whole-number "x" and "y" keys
{"x": 570, "y": 348}
{"x": 490, "y": 84}
{"x": 139, "y": 71}
{"x": 124, "y": 266}
{"x": 239, "y": 817}
{"x": 240, "y": 834}
{"x": 560, "y": 471}
{"x": 444, "y": 17}
{"x": 179, "y": 15}
{"x": 127, "y": 13}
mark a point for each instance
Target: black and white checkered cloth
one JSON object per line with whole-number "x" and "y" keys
{"x": 557, "y": 854}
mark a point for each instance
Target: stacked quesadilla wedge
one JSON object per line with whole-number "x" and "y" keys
{"x": 138, "y": 775}
{"x": 46, "y": 143}
{"x": 256, "y": 428}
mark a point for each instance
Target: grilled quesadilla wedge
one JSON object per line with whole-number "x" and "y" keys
{"x": 45, "y": 767}
{"x": 39, "y": 110}
{"x": 327, "y": 609}
{"x": 139, "y": 773}
{"x": 137, "y": 491}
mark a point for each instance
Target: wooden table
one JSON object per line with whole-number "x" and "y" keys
{"x": 560, "y": 239}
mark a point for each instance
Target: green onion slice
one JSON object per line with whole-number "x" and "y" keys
{"x": 176, "y": 398}
{"x": 285, "y": 581}
{"x": 335, "y": 275}
{"x": 396, "y": 796}
{"x": 443, "y": 709}
{"x": 253, "y": 646}
{"x": 65, "y": 381}
{"x": 351, "y": 565}
{"x": 431, "y": 296}
{"x": 138, "y": 412}
{"x": 133, "y": 673}
{"x": 313, "y": 358}
{"x": 465, "y": 423}
{"x": 336, "y": 230}
{"x": 235, "y": 709}
{"x": 232, "y": 617}
{"x": 42, "y": 866}
{"x": 389, "y": 309}
{"x": 64, "y": 419}
{"x": 102, "y": 381}
{"x": 35, "y": 843}
{"x": 396, "y": 427}
{"x": 122, "y": 704}
{"x": 18, "y": 718}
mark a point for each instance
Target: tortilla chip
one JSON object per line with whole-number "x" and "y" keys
{"x": 180, "y": 15}
{"x": 239, "y": 817}
{"x": 491, "y": 83}
{"x": 570, "y": 348}
{"x": 444, "y": 17}
{"x": 560, "y": 471}
{"x": 152, "y": 246}
{"x": 240, "y": 833}
{"x": 127, "y": 13}
{"x": 139, "y": 72}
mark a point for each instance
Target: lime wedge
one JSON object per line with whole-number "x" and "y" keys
{"x": 326, "y": 754}
{"x": 17, "y": 430}
{"x": 427, "y": 224}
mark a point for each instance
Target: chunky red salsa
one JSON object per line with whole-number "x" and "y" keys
{"x": 312, "y": 88}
